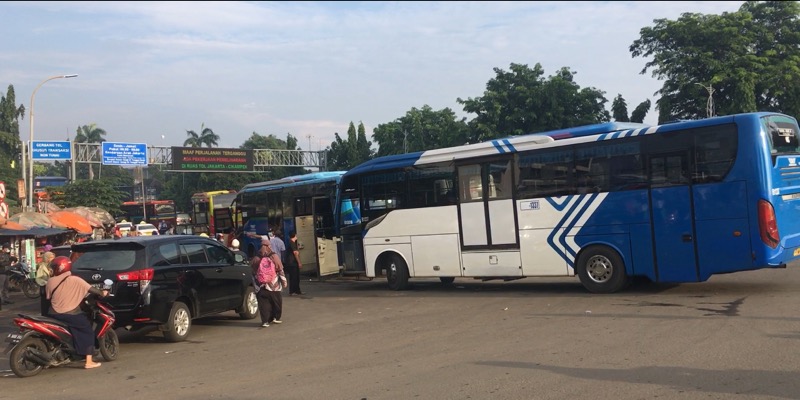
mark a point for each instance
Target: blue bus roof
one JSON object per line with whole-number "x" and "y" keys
{"x": 588, "y": 130}
{"x": 296, "y": 180}
{"x": 409, "y": 159}
{"x": 512, "y": 144}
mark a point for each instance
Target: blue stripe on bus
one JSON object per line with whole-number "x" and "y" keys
{"x": 557, "y": 228}
{"x": 510, "y": 146}
{"x": 556, "y": 205}
{"x": 575, "y": 218}
{"x": 498, "y": 146}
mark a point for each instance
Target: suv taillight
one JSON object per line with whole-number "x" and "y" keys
{"x": 144, "y": 276}
{"x": 767, "y": 224}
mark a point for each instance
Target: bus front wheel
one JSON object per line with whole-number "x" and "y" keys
{"x": 396, "y": 273}
{"x": 601, "y": 270}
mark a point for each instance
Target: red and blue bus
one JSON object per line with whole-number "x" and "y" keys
{"x": 679, "y": 202}
{"x": 152, "y": 211}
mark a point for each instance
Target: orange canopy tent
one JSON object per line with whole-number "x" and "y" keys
{"x": 87, "y": 214}
{"x": 14, "y": 226}
{"x": 72, "y": 221}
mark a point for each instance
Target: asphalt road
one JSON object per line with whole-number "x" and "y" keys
{"x": 734, "y": 337}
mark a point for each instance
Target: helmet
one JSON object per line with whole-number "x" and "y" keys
{"x": 60, "y": 265}
{"x": 203, "y": 234}
{"x": 235, "y": 243}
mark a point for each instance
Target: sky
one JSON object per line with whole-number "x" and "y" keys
{"x": 148, "y": 72}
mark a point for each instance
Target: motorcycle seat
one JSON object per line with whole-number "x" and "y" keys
{"x": 42, "y": 318}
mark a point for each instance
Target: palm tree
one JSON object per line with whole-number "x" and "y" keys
{"x": 90, "y": 134}
{"x": 206, "y": 137}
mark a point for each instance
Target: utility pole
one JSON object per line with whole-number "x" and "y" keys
{"x": 405, "y": 141}
{"x": 710, "y": 102}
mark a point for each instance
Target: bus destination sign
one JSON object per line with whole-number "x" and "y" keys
{"x": 212, "y": 159}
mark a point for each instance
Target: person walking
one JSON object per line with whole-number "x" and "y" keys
{"x": 269, "y": 280}
{"x": 5, "y": 265}
{"x": 293, "y": 265}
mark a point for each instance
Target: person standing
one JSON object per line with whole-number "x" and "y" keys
{"x": 277, "y": 244}
{"x": 269, "y": 280}
{"x": 293, "y": 265}
{"x": 5, "y": 265}
{"x": 43, "y": 273}
{"x": 235, "y": 249}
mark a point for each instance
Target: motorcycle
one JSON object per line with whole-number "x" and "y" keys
{"x": 44, "y": 342}
{"x": 19, "y": 278}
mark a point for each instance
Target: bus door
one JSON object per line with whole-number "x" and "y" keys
{"x": 671, "y": 213}
{"x": 487, "y": 220}
{"x": 327, "y": 256}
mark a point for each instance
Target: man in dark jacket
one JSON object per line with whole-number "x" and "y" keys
{"x": 5, "y": 265}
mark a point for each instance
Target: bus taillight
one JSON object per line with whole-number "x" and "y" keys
{"x": 767, "y": 224}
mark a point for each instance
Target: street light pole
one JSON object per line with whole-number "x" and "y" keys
{"x": 30, "y": 150}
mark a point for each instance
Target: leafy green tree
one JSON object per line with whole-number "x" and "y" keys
{"x": 751, "y": 59}
{"x": 640, "y": 112}
{"x": 90, "y": 134}
{"x": 346, "y": 154}
{"x": 619, "y": 110}
{"x": 523, "y": 101}
{"x": 10, "y": 144}
{"x": 10, "y": 114}
{"x": 421, "y": 129}
{"x": 97, "y": 193}
{"x": 206, "y": 137}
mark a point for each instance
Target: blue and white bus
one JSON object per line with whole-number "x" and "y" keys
{"x": 300, "y": 203}
{"x": 678, "y": 202}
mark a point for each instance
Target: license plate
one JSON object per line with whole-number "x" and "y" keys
{"x": 14, "y": 337}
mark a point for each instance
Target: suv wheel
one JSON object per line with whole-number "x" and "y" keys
{"x": 249, "y": 308}
{"x": 179, "y": 323}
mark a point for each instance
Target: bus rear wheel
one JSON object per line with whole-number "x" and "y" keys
{"x": 396, "y": 273}
{"x": 601, "y": 270}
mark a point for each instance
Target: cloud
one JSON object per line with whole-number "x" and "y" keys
{"x": 306, "y": 68}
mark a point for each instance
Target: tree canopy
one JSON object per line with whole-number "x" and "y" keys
{"x": 522, "y": 100}
{"x": 751, "y": 59}
{"x": 206, "y": 137}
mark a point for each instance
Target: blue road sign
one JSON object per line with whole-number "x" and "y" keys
{"x": 51, "y": 150}
{"x": 124, "y": 153}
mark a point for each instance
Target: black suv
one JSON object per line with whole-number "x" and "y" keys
{"x": 167, "y": 280}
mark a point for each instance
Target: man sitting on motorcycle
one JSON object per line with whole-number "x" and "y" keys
{"x": 66, "y": 293}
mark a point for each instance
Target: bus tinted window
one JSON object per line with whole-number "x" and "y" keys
{"x": 782, "y": 133}
{"x": 431, "y": 186}
{"x": 382, "y": 192}
{"x": 714, "y": 153}
{"x": 544, "y": 174}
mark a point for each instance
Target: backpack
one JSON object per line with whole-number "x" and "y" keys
{"x": 266, "y": 270}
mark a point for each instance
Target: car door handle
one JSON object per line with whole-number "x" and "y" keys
{"x": 219, "y": 270}
{"x": 687, "y": 238}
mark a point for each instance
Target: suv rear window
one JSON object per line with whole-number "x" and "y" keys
{"x": 106, "y": 259}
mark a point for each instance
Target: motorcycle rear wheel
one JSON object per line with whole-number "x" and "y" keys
{"x": 19, "y": 361}
{"x": 109, "y": 345}
{"x": 30, "y": 288}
